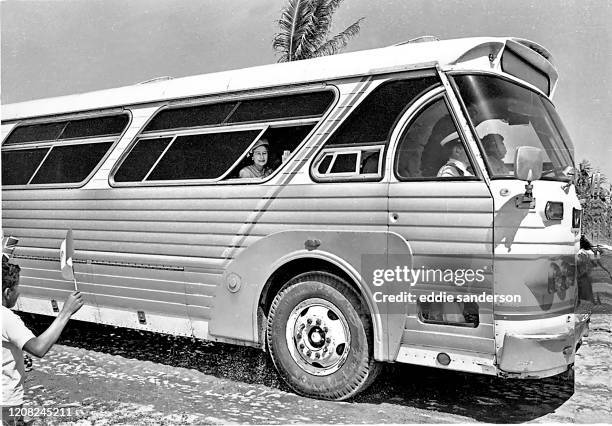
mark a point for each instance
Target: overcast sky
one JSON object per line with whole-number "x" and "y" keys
{"x": 58, "y": 47}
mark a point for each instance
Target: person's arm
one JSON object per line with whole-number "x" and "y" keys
{"x": 39, "y": 346}
{"x": 245, "y": 173}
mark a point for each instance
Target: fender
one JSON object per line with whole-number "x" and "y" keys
{"x": 234, "y": 312}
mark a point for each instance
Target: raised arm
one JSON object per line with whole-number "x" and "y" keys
{"x": 39, "y": 346}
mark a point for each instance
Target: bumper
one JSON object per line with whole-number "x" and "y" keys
{"x": 541, "y": 355}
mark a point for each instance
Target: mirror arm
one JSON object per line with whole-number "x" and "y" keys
{"x": 527, "y": 200}
{"x": 572, "y": 181}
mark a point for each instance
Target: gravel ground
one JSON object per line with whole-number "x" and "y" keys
{"x": 133, "y": 377}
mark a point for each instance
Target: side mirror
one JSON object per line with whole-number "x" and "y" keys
{"x": 527, "y": 166}
{"x": 528, "y": 163}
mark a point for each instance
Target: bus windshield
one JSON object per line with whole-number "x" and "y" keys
{"x": 507, "y": 116}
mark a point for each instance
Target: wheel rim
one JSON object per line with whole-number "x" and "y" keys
{"x": 318, "y": 336}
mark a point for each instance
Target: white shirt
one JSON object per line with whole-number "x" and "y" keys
{"x": 454, "y": 168}
{"x": 15, "y": 335}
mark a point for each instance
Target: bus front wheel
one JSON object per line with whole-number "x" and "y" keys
{"x": 319, "y": 336}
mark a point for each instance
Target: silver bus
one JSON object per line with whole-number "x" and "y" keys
{"x": 417, "y": 206}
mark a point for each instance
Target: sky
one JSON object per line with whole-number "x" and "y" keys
{"x": 59, "y": 47}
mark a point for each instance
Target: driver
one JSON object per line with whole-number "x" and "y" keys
{"x": 495, "y": 149}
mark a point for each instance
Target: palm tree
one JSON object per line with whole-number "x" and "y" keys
{"x": 304, "y": 30}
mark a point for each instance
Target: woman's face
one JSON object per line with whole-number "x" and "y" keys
{"x": 260, "y": 156}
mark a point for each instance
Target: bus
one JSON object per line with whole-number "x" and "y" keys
{"x": 412, "y": 204}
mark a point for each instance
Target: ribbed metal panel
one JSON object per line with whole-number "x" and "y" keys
{"x": 115, "y": 225}
{"x": 195, "y": 228}
{"x": 130, "y": 304}
{"x": 117, "y": 236}
{"x": 449, "y": 225}
{"x": 135, "y": 233}
{"x": 103, "y": 284}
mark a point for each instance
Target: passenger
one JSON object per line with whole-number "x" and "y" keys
{"x": 16, "y": 337}
{"x": 431, "y": 160}
{"x": 259, "y": 168}
{"x": 495, "y": 149}
{"x": 458, "y": 163}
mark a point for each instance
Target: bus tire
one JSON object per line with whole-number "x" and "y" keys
{"x": 319, "y": 336}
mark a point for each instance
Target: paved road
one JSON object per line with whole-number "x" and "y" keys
{"x": 105, "y": 375}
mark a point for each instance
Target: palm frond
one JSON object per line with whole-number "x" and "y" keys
{"x": 320, "y": 24}
{"x": 304, "y": 30}
{"x": 339, "y": 41}
{"x": 323, "y": 12}
{"x": 293, "y": 24}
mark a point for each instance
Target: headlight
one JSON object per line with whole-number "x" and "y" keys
{"x": 554, "y": 210}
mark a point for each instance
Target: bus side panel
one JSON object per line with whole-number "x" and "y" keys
{"x": 157, "y": 250}
{"x": 449, "y": 227}
{"x": 301, "y": 212}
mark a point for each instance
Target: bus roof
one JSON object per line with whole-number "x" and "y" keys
{"x": 465, "y": 53}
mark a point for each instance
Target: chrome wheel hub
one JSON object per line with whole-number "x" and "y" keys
{"x": 318, "y": 336}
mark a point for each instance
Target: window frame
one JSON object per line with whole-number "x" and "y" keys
{"x": 113, "y": 139}
{"x": 356, "y": 175}
{"x": 407, "y": 120}
{"x": 262, "y": 125}
{"x": 144, "y": 181}
{"x": 67, "y": 119}
{"x": 388, "y": 143}
{"x": 237, "y": 99}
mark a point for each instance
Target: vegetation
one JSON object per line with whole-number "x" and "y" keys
{"x": 596, "y": 199}
{"x": 305, "y": 27}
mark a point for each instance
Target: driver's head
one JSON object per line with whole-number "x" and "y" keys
{"x": 493, "y": 144}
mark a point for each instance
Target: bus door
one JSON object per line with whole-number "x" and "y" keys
{"x": 440, "y": 204}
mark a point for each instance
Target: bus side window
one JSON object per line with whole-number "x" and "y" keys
{"x": 419, "y": 153}
{"x": 373, "y": 119}
{"x": 209, "y": 142}
{"x": 353, "y": 163}
{"x": 367, "y": 130}
{"x": 62, "y": 153}
{"x": 283, "y": 142}
{"x": 204, "y": 156}
{"x": 369, "y": 162}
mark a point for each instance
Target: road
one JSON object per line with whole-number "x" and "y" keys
{"x": 107, "y": 375}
